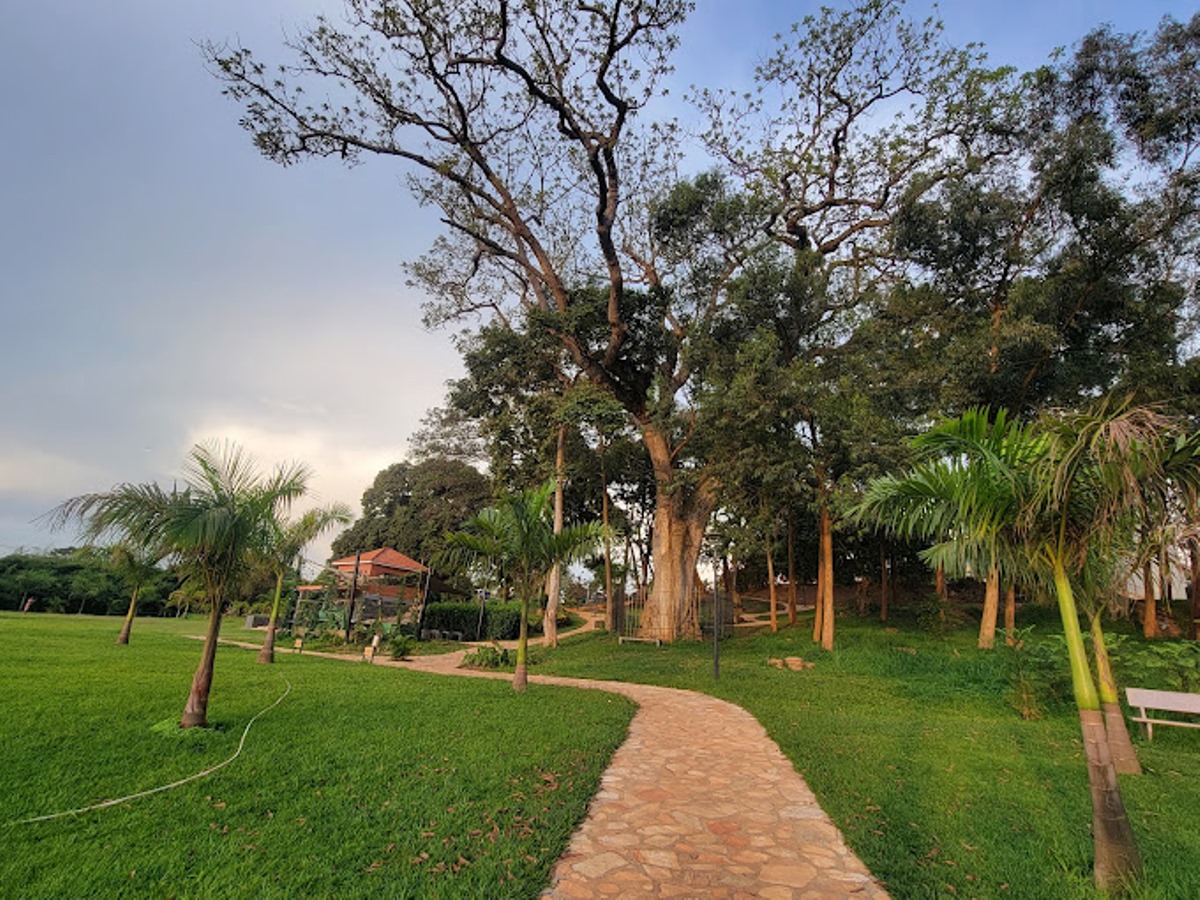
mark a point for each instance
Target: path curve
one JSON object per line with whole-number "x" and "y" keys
{"x": 698, "y": 802}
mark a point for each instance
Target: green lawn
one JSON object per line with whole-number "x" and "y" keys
{"x": 911, "y": 745}
{"x": 364, "y": 781}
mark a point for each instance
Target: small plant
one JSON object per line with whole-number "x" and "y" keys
{"x": 399, "y": 645}
{"x": 493, "y": 657}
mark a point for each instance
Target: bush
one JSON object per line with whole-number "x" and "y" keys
{"x": 501, "y": 621}
{"x": 493, "y": 657}
{"x": 399, "y": 645}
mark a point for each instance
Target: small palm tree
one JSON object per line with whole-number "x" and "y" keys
{"x": 136, "y": 566}
{"x": 515, "y": 542}
{"x": 210, "y": 526}
{"x": 284, "y": 542}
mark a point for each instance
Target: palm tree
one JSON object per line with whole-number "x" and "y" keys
{"x": 966, "y": 504}
{"x": 515, "y": 541}
{"x": 1081, "y": 481}
{"x": 210, "y": 526}
{"x": 284, "y": 542}
{"x": 136, "y": 566}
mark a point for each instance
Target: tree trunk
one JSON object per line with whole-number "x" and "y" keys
{"x": 1116, "y": 855}
{"x": 681, "y": 513}
{"x": 1120, "y": 748}
{"x": 195, "y": 712}
{"x": 939, "y": 584}
{"x": 991, "y": 606}
{"x": 735, "y": 593}
{"x": 1117, "y": 861}
{"x": 1195, "y": 554}
{"x": 1149, "y": 608}
{"x": 521, "y": 675}
{"x": 819, "y": 599}
{"x": 771, "y": 581}
{"x": 791, "y": 548}
{"x": 123, "y": 637}
{"x": 610, "y": 602}
{"x": 883, "y": 582}
{"x": 554, "y": 579}
{"x": 827, "y": 552}
{"x": 1010, "y": 615}
{"x": 267, "y": 653}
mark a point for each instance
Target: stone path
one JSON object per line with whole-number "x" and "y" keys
{"x": 698, "y": 802}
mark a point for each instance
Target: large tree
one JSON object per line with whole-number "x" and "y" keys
{"x": 211, "y": 526}
{"x": 522, "y": 123}
{"x": 410, "y": 506}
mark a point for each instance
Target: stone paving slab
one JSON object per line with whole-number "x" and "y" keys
{"x": 698, "y": 802}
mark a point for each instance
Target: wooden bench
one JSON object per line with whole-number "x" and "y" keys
{"x": 1143, "y": 699}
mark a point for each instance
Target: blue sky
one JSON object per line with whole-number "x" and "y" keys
{"x": 161, "y": 283}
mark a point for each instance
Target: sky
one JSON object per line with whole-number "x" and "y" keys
{"x": 162, "y": 284}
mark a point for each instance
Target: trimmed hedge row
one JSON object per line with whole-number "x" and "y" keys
{"x": 501, "y": 621}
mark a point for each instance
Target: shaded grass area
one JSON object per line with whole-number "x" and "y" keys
{"x": 365, "y": 781}
{"x": 912, "y": 746}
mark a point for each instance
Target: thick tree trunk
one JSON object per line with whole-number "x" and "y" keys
{"x": 1150, "y": 607}
{"x": 791, "y": 548}
{"x": 991, "y": 607}
{"x": 195, "y": 712}
{"x": 521, "y": 675}
{"x": 1010, "y": 615}
{"x": 1124, "y": 757}
{"x": 1117, "y": 861}
{"x": 827, "y": 600}
{"x": 267, "y": 653}
{"x": 939, "y": 583}
{"x": 681, "y": 512}
{"x": 1195, "y": 555}
{"x": 127, "y": 626}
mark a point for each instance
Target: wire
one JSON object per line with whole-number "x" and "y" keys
{"x": 165, "y": 787}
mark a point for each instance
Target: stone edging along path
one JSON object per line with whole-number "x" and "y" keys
{"x": 698, "y": 802}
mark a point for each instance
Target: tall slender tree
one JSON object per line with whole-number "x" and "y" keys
{"x": 283, "y": 542}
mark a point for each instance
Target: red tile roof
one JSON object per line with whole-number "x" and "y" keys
{"x": 384, "y": 561}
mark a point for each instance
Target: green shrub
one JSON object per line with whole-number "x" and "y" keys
{"x": 501, "y": 621}
{"x": 399, "y": 645}
{"x": 493, "y": 657}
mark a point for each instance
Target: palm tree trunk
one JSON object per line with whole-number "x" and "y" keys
{"x": 991, "y": 606}
{"x": 1117, "y": 860}
{"x": 1149, "y": 609}
{"x": 1119, "y": 746}
{"x": 195, "y": 712}
{"x": 123, "y": 637}
{"x": 521, "y": 675}
{"x": 267, "y": 653}
{"x": 1010, "y": 615}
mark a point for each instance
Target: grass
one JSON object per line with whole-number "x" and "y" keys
{"x": 912, "y": 746}
{"x": 364, "y": 781}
